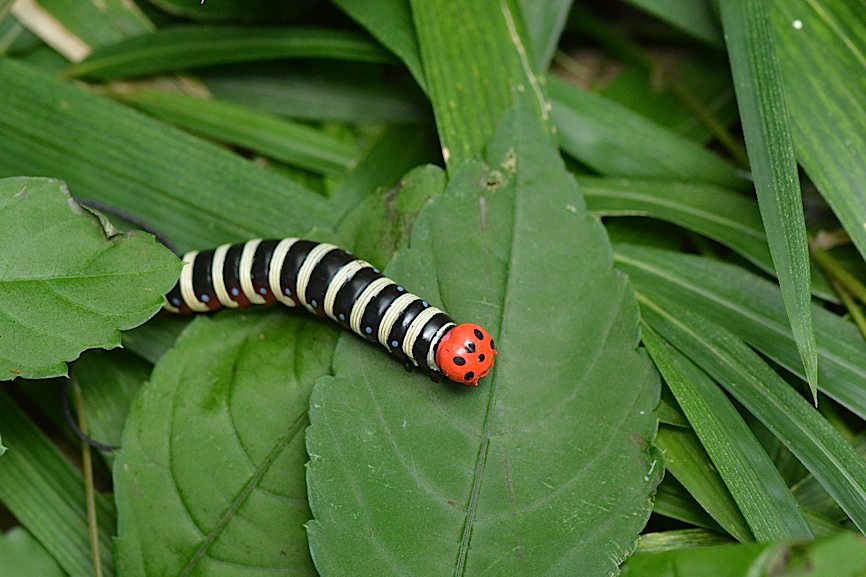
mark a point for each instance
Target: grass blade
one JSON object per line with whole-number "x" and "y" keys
{"x": 759, "y": 490}
{"x": 390, "y": 22}
{"x": 687, "y": 460}
{"x": 289, "y": 142}
{"x": 752, "y": 308}
{"x": 180, "y": 48}
{"x": 828, "y": 105}
{"x": 46, "y": 494}
{"x": 474, "y": 55}
{"x": 758, "y": 83}
{"x": 612, "y": 139}
{"x": 803, "y": 430}
{"x": 107, "y": 152}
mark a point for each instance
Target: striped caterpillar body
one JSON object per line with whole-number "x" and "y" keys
{"x": 332, "y": 283}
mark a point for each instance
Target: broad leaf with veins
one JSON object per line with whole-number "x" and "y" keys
{"x": 545, "y": 468}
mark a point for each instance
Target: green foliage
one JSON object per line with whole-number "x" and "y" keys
{"x": 445, "y": 476}
{"x": 481, "y": 152}
{"x": 68, "y": 282}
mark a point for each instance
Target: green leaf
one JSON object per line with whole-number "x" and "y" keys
{"x": 390, "y": 22}
{"x": 687, "y": 460}
{"x": 210, "y": 477}
{"x": 21, "y": 555}
{"x": 45, "y": 493}
{"x": 755, "y": 484}
{"x": 615, "y": 141}
{"x": 841, "y": 555}
{"x": 181, "y": 48}
{"x": 289, "y": 142}
{"x": 694, "y": 17}
{"x": 474, "y": 56}
{"x": 64, "y": 286}
{"x": 752, "y": 308}
{"x": 828, "y": 105}
{"x": 802, "y": 429}
{"x": 758, "y": 83}
{"x": 405, "y": 473}
{"x": 110, "y": 153}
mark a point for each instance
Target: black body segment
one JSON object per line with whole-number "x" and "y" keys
{"x": 325, "y": 279}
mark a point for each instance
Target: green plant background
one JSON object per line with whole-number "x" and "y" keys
{"x": 656, "y": 208}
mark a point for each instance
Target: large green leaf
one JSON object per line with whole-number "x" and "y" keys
{"x": 64, "y": 286}
{"x": 21, "y": 555}
{"x": 210, "y": 477}
{"x": 198, "y": 194}
{"x": 828, "y": 104}
{"x": 533, "y": 466}
{"x": 180, "y": 48}
{"x": 45, "y": 493}
{"x": 752, "y": 308}
{"x": 758, "y": 83}
{"x": 755, "y": 484}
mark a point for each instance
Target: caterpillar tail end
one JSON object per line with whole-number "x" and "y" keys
{"x": 466, "y": 354}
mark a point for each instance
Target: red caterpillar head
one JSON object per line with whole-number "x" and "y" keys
{"x": 465, "y": 354}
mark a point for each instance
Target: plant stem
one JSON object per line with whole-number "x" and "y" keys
{"x": 87, "y": 467}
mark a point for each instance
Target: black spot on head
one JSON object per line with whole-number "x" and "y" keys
{"x": 469, "y": 376}
{"x": 481, "y": 358}
{"x": 492, "y": 346}
{"x": 469, "y": 346}
{"x": 478, "y": 334}
{"x": 459, "y": 361}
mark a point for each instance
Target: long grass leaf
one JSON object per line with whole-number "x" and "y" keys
{"x": 289, "y": 142}
{"x": 687, "y": 460}
{"x": 757, "y": 79}
{"x": 474, "y": 56}
{"x": 759, "y": 490}
{"x": 752, "y": 308}
{"x": 823, "y": 59}
{"x": 198, "y": 194}
{"x": 803, "y": 430}
{"x": 46, "y": 494}
{"x": 181, "y": 48}
{"x": 616, "y": 141}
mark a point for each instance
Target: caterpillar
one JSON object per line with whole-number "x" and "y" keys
{"x": 332, "y": 283}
